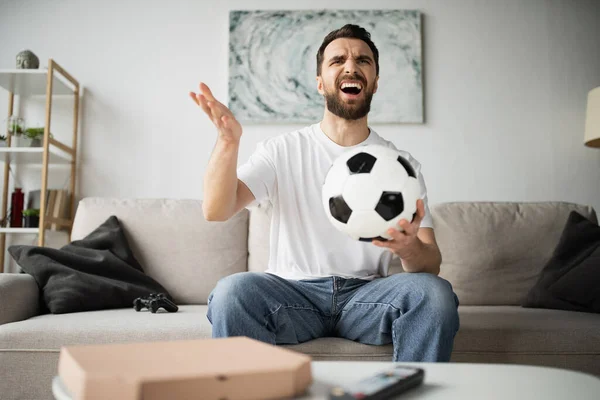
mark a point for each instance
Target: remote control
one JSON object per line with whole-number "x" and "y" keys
{"x": 381, "y": 386}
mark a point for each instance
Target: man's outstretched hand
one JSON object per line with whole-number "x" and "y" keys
{"x": 228, "y": 127}
{"x": 405, "y": 243}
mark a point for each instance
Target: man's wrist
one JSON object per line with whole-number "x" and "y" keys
{"x": 410, "y": 259}
{"x": 228, "y": 141}
{"x": 422, "y": 258}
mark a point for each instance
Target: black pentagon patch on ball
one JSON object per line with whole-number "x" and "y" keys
{"x": 361, "y": 163}
{"x": 380, "y": 238}
{"x": 339, "y": 209}
{"x": 390, "y": 205}
{"x": 409, "y": 169}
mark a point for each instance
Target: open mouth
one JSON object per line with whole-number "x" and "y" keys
{"x": 351, "y": 88}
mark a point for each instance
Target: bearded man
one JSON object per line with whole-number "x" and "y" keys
{"x": 319, "y": 282}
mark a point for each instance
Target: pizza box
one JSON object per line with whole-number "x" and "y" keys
{"x": 235, "y": 368}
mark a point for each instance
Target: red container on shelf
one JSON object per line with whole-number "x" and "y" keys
{"x": 16, "y": 208}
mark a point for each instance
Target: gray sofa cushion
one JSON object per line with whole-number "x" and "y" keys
{"x": 173, "y": 241}
{"x": 493, "y": 252}
{"x": 488, "y": 334}
{"x": 19, "y": 297}
{"x": 51, "y": 331}
{"x": 513, "y": 329}
{"x": 483, "y": 329}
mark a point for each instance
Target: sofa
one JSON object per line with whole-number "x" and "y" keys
{"x": 492, "y": 254}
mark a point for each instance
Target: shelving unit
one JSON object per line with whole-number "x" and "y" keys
{"x": 32, "y": 155}
{"x": 48, "y": 82}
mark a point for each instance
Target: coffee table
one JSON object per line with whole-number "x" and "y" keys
{"x": 446, "y": 381}
{"x": 462, "y": 381}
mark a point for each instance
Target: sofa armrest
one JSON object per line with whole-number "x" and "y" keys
{"x": 19, "y": 297}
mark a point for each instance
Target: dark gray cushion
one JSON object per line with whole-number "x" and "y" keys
{"x": 571, "y": 278}
{"x": 95, "y": 273}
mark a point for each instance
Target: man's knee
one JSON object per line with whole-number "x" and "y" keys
{"x": 234, "y": 290}
{"x": 236, "y": 306}
{"x": 235, "y": 294}
{"x": 438, "y": 303}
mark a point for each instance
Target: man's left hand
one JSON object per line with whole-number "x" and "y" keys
{"x": 404, "y": 241}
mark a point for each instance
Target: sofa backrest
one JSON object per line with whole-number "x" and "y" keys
{"x": 173, "y": 242}
{"x": 492, "y": 252}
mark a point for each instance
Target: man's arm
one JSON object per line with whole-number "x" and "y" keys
{"x": 224, "y": 194}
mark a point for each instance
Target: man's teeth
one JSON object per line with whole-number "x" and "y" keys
{"x": 351, "y": 84}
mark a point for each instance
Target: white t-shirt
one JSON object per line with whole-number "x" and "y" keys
{"x": 288, "y": 171}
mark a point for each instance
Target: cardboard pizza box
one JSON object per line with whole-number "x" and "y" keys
{"x": 236, "y": 368}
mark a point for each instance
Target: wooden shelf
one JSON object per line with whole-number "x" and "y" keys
{"x": 48, "y": 82}
{"x": 32, "y": 82}
{"x": 33, "y": 155}
{"x": 19, "y": 230}
{"x": 30, "y": 231}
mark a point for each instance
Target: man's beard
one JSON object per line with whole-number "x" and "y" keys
{"x": 351, "y": 112}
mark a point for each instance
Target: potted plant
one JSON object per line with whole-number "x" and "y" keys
{"x": 35, "y": 135}
{"x": 31, "y": 218}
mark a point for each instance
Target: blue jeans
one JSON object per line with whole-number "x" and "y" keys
{"x": 417, "y": 312}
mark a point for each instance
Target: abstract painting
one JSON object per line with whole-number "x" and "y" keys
{"x": 272, "y": 63}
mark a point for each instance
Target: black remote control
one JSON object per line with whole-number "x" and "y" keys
{"x": 382, "y": 385}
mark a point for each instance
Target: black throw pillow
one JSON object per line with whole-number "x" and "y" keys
{"x": 571, "y": 278}
{"x": 95, "y": 273}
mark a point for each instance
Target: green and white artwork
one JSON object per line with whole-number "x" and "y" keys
{"x": 272, "y": 63}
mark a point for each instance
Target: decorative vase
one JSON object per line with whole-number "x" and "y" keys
{"x": 27, "y": 60}
{"x": 16, "y": 125}
{"x": 16, "y": 208}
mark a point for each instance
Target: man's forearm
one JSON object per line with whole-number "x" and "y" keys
{"x": 220, "y": 181}
{"x": 424, "y": 258}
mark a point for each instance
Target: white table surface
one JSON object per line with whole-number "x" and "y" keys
{"x": 447, "y": 381}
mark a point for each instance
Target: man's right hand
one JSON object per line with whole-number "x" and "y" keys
{"x": 228, "y": 127}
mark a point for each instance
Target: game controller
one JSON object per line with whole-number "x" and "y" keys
{"x": 153, "y": 302}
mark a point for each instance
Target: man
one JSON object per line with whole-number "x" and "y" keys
{"x": 319, "y": 282}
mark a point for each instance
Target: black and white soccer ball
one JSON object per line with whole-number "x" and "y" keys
{"x": 368, "y": 190}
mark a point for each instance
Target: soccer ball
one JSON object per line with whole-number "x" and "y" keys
{"x": 368, "y": 190}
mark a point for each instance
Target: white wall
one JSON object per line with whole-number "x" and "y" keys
{"x": 505, "y": 92}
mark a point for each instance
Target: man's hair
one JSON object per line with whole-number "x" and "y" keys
{"x": 352, "y": 32}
